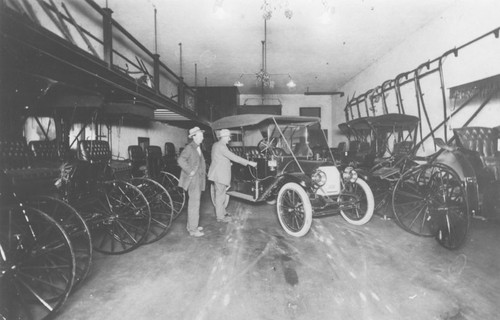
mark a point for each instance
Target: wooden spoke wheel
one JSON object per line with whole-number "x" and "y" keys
{"x": 429, "y": 200}
{"x": 161, "y": 206}
{"x": 382, "y": 193}
{"x": 74, "y": 226}
{"x": 119, "y": 217}
{"x": 177, "y": 194}
{"x": 356, "y": 202}
{"x": 37, "y": 264}
{"x": 294, "y": 209}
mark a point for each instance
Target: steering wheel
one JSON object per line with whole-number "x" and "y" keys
{"x": 266, "y": 147}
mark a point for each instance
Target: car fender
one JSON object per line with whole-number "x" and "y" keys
{"x": 299, "y": 178}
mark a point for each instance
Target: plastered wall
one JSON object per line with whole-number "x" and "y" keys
{"x": 157, "y": 132}
{"x": 464, "y": 21}
{"x": 459, "y": 24}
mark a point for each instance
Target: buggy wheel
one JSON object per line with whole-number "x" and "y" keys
{"x": 74, "y": 226}
{"x": 178, "y": 195}
{"x": 212, "y": 196}
{"x": 37, "y": 264}
{"x": 119, "y": 218}
{"x": 429, "y": 200}
{"x": 161, "y": 206}
{"x": 294, "y": 209}
{"x": 356, "y": 202}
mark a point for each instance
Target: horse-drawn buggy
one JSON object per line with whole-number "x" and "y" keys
{"x": 63, "y": 199}
{"x": 430, "y": 194}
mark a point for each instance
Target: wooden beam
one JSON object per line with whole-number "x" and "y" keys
{"x": 84, "y": 37}
{"x": 323, "y": 93}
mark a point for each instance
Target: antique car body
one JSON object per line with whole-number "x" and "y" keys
{"x": 304, "y": 184}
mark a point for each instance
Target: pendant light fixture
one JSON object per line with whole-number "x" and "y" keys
{"x": 263, "y": 78}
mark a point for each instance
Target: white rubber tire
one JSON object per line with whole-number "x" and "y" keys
{"x": 369, "y": 208}
{"x": 306, "y": 206}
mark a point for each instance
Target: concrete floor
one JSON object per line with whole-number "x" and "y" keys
{"x": 250, "y": 269}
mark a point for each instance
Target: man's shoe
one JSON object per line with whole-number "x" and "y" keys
{"x": 225, "y": 219}
{"x": 196, "y": 233}
{"x": 200, "y": 228}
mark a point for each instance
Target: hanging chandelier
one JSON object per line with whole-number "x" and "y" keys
{"x": 263, "y": 78}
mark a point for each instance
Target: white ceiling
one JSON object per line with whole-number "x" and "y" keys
{"x": 318, "y": 56}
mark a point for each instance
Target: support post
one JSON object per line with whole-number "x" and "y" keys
{"x": 180, "y": 93}
{"x": 156, "y": 72}
{"x": 107, "y": 36}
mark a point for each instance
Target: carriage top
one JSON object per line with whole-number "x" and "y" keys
{"x": 390, "y": 120}
{"x": 247, "y": 120}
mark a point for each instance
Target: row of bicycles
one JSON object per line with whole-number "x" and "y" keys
{"x": 55, "y": 215}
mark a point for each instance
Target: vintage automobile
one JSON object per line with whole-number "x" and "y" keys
{"x": 303, "y": 184}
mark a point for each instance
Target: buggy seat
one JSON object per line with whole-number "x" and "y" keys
{"x": 137, "y": 158}
{"x": 154, "y": 161}
{"x": 94, "y": 151}
{"x": 94, "y": 159}
{"x": 483, "y": 143}
{"x": 246, "y": 152}
{"x": 46, "y": 153}
{"x": 17, "y": 162}
{"x": 361, "y": 152}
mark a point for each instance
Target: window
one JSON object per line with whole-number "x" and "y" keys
{"x": 310, "y": 112}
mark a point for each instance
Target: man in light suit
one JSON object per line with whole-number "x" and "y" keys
{"x": 220, "y": 172}
{"x": 192, "y": 179}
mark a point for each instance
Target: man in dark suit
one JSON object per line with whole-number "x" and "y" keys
{"x": 192, "y": 179}
{"x": 220, "y": 172}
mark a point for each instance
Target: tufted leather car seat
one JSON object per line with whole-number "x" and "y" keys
{"x": 484, "y": 142}
{"x": 252, "y": 152}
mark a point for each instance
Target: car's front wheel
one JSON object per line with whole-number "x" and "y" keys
{"x": 356, "y": 202}
{"x": 294, "y": 209}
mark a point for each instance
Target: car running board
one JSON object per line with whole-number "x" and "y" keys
{"x": 240, "y": 195}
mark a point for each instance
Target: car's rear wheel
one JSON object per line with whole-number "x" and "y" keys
{"x": 294, "y": 209}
